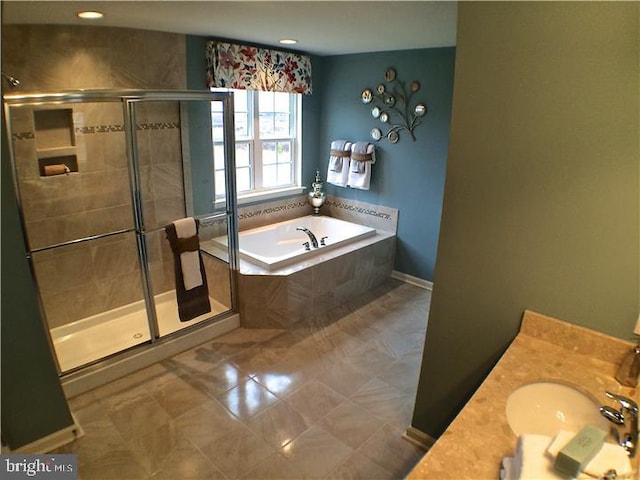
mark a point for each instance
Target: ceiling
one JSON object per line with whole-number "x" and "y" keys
{"x": 322, "y": 28}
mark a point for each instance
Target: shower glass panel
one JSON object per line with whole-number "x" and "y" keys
{"x": 92, "y": 297}
{"x": 72, "y": 176}
{"x": 174, "y": 150}
{"x": 98, "y": 176}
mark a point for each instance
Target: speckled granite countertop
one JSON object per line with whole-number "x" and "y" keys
{"x": 474, "y": 444}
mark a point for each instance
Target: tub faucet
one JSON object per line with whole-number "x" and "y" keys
{"x": 626, "y": 421}
{"x": 312, "y": 237}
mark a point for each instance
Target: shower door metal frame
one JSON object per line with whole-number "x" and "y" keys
{"x": 128, "y": 99}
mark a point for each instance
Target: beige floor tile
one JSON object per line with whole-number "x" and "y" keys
{"x": 359, "y": 467}
{"x": 401, "y": 374}
{"x": 118, "y": 464}
{"x": 238, "y": 453}
{"x": 389, "y": 450}
{"x": 316, "y": 452}
{"x": 153, "y": 448}
{"x": 279, "y": 424}
{"x": 247, "y": 399}
{"x": 343, "y": 377}
{"x": 275, "y": 467}
{"x": 139, "y": 417}
{"x": 341, "y": 381}
{"x": 188, "y": 465}
{"x": 198, "y": 359}
{"x": 256, "y": 360}
{"x": 282, "y": 379}
{"x": 178, "y": 396}
{"x": 350, "y": 424}
{"x": 380, "y": 399}
{"x": 100, "y": 437}
{"x": 314, "y": 400}
{"x": 206, "y": 422}
{"x": 219, "y": 379}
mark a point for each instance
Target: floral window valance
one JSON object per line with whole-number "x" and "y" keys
{"x": 230, "y": 65}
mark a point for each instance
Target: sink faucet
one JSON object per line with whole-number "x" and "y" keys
{"x": 626, "y": 421}
{"x": 312, "y": 237}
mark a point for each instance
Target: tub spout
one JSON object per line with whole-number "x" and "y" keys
{"x": 312, "y": 237}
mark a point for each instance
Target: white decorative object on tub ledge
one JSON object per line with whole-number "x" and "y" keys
{"x": 376, "y": 216}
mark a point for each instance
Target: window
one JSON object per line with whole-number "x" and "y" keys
{"x": 268, "y": 150}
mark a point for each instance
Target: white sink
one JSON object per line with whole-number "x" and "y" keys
{"x": 547, "y": 407}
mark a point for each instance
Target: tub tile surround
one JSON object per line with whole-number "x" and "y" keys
{"x": 267, "y": 403}
{"x": 545, "y": 349}
{"x": 375, "y": 216}
{"x": 282, "y": 297}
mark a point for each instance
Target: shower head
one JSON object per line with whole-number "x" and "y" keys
{"x": 12, "y": 81}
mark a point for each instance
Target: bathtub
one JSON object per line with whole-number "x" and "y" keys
{"x": 278, "y": 245}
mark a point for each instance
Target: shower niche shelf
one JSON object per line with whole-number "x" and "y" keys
{"x": 55, "y": 141}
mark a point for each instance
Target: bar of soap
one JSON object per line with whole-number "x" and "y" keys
{"x": 576, "y": 454}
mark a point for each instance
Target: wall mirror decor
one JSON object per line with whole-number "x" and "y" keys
{"x": 392, "y": 106}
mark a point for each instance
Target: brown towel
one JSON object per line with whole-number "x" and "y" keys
{"x": 194, "y": 302}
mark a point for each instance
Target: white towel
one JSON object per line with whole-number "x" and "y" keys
{"x": 610, "y": 456}
{"x": 338, "y": 171}
{"x": 190, "y": 261}
{"x": 360, "y": 172}
{"x": 529, "y": 461}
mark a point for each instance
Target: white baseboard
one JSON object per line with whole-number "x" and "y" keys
{"x": 419, "y": 438}
{"x": 418, "y": 282}
{"x": 53, "y": 440}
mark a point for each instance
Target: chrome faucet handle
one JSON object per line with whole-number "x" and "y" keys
{"x": 625, "y": 402}
{"x": 306, "y": 246}
{"x": 322, "y": 241}
{"x": 614, "y": 415}
{"x": 626, "y": 420}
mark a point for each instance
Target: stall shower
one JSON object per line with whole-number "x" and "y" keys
{"x": 98, "y": 175}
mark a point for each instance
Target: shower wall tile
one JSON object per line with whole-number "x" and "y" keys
{"x": 97, "y": 199}
{"x": 115, "y": 259}
{"x": 164, "y": 143}
{"x": 58, "y": 273}
{"x": 55, "y": 306}
{"x": 110, "y": 219}
{"x": 119, "y": 290}
{"x": 166, "y": 211}
{"x": 166, "y": 180}
{"x": 106, "y": 188}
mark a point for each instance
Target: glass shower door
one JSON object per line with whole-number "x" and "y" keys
{"x": 174, "y": 156}
{"x": 72, "y": 176}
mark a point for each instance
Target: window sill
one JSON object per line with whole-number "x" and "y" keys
{"x": 261, "y": 196}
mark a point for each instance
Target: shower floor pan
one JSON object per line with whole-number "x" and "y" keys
{"x": 104, "y": 334}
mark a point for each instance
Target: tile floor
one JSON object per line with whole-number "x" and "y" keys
{"x": 329, "y": 398}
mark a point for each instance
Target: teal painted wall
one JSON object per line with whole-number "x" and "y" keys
{"x": 408, "y": 175}
{"x": 33, "y": 404}
{"x": 200, "y": 148}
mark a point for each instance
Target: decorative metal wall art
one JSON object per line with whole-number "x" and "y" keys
{"x": 391, "y": 102}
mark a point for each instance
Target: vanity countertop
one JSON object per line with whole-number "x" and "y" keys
{"x": 474, "y": 444}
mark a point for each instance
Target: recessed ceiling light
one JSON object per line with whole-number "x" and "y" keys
{"x": 90, "y": 15}
{"x": 288, "y": 41}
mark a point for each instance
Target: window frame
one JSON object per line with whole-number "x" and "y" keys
{"x": 256, "y": 161}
